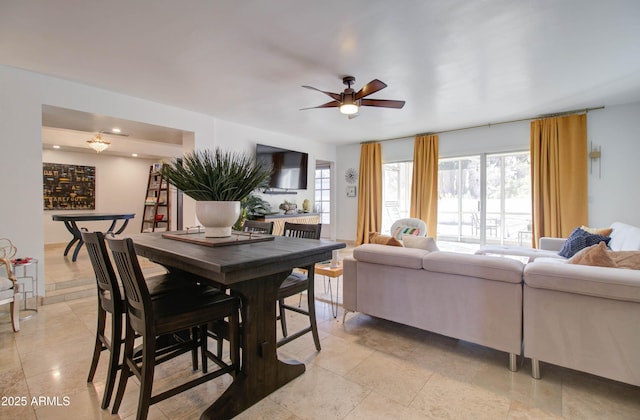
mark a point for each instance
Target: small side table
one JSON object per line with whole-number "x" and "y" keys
{"x": 28, "y": 274}
{"x": 332, "y": 273}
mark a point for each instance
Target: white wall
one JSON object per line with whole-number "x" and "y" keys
{"x": 121, "y": 185}
{"x": 615, "y": 196}
{"x": 612, "y": 197}
{"x": 246, "y": 138}
{"x": 24, "y": 93}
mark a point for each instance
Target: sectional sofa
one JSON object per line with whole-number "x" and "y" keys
{"x": 581, "y": 317}
{"x": 474, "y": 298}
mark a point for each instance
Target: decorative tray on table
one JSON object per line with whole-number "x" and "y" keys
{"x": 236, "y": 238}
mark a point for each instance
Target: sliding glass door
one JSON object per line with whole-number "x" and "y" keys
{"x": 485, "y": 199}
{"x": 459, "y": 199}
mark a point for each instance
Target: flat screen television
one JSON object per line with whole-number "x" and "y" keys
{"x": 289, "y": 168}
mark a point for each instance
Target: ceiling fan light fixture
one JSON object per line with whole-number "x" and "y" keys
{"x": 348, "y": 105}
{"x": 349, "y": 109}
{"x": 98, "y": 144}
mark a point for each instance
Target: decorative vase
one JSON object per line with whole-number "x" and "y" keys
{"x": 217, "y": 217}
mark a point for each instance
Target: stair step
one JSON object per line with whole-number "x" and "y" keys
{"x": 69, "y": 293}
{"x": 81, "y": 288}
{"x": 67, "y": 284}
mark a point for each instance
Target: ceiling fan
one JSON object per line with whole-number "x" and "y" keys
{"x": 350, "y": 101}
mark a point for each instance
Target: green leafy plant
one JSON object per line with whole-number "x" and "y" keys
{"x": 208, "y": 175}
{"x": 251, "y": 207}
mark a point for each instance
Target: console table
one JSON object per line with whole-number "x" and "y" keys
{"x": 279, "y": 219}
{"x": 70, "y": 222}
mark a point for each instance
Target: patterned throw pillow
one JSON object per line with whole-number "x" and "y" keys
{"x": 405, "y": 230}
{"x": 580, "y": 239}
{"x": 376, "y": 238}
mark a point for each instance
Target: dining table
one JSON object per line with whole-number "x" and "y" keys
{"x": 71, "y": 220}
{"x": 254, "y": 271}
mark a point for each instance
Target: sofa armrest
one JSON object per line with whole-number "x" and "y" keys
{"x": 551, "y": 244}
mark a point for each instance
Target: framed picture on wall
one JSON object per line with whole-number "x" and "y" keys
{"x": 351, "y": 191}
{"x": 68, "y": 187}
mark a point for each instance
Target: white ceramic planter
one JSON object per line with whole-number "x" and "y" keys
{"x": 217, "y": 217}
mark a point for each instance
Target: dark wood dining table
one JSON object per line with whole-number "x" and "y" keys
{"x": 253, "y": 271}
{"x": 71, "y": 223}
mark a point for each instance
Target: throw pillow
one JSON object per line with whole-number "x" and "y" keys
{"x": 580, "y": 239}
{"x": 376, "y": 238}
{"x": 626, "y": 259}
{"x": 405, "y": 230}
{"x": 598, "y": 255}
{"x": 420, "y": 242}
{"x": 5, "y": 283}
{"x": 597, "y": 231}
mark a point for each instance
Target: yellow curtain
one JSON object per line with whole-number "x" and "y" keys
{"x": 370, "y": 194}
{"x": 424, "y": 187}
{"x": 558, "y": 175}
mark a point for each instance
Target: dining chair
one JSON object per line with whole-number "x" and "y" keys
{"x": 152, "y": 317}
{"x": 257, "y": 226}
{"x": 9, "y": 286}
{"x": 298, "y": 282}
{"x": 111, "y": 301}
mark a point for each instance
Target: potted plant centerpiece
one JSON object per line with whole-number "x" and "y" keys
{"x": 218, "y": 181}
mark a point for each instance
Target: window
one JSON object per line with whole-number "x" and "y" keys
{"x": 396, "y": 192}
{"x": 459, "y": 198}
{"x": 323, "y": 194}
{"x": 508, "y": 202}
{"x": 484, "y": 198}
{"x": 500, "y": 215}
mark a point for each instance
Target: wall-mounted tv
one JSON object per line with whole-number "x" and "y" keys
{"x": 289, "y": 168}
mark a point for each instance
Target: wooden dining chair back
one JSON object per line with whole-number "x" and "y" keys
{"x": 297, "y": 283}
{"x": 257, "y": 226}
{"x": 110, "y": 300}
{"x": 170, "y": 314}
{"x": 302, "y": 230}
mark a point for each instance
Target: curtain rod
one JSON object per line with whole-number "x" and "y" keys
{"x": 557, "y": 114}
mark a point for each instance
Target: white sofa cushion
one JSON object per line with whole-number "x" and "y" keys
{"x": 624, "y": 237}
{"x": 390, "y": 255}
{"x": 420, "y": 242}
{"x": 476, "y": 266}
{"x": 612, "y": 283}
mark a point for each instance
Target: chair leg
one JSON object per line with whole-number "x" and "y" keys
{"x": 219, "y": 345}
{"x": 14, "y": 307}
{"x": 283, "y": 319}
{"x": 203, "y": 348}
{"x": 195, "y": 333}
{"x": 114, "y": 359}
{"x": 147, "y": 371}
{"x": 311, "y": 303}
{"x": 98, "y": 346}
{"x": 126, "y": 370}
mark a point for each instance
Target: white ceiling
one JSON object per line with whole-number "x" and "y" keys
{"x": 455, "y": 63}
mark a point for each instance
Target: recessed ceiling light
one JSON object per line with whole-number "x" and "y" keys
{"x": 55, "y": 146}
{"x": 115, "y": 130}
{"x": 134, "y": 154}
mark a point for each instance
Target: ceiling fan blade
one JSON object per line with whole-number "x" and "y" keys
{"x": 332, "y": 104}
{"x": 382, "y": 103}
{"x": 371, "y": 87}
{"x": 335, "y": 96}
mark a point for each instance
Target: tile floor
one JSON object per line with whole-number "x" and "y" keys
{"x": 367, "y": 369}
